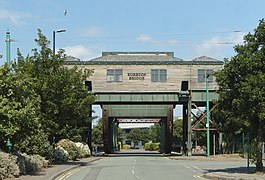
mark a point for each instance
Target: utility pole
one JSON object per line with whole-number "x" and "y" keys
{"x": 207, "y": 115}
{"x": 189, "y": 127}
{"x": 8, "y": 40}
{"x": 53, "y": 38}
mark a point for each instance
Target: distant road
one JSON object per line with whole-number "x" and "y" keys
{"x": 134, "y": 165}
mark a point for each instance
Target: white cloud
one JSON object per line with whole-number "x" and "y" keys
{"x": 216, "y": 46}
{"x": 15, "y": 17}
{"x": 143, "y": 38}
{"x": 82, "y": 52}
{"x": 92, "y": 31}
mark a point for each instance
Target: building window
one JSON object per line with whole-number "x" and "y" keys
{"x": 202, "y": 74}
{"x": 159, "y": 75}
{"x": 114, "y": 75}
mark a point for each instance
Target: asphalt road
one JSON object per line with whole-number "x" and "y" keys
{"x": 134, "y": 165}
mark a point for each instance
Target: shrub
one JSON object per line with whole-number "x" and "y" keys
{"x": 151, "y": 146}
{"x": 70, "y": 147}
{"x": 31, "y": 164}
{"x": 21, "y": 164}
{"x": 84, "y": 149}
{"x": 147, "y": 146}
{"x": 126, "y": 146}
{"x": 37, "y": 144}
{"x": 8, "y": 166}
{"x": 60, "y": 155}
{"x": 156, "y": 146}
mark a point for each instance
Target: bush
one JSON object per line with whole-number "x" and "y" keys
{"x": 60, "y": 155}
{"x": 21, "y": 164}
{"x": 31, "y": 164}
{"x": 8, "y": 166}
{"x": 151, "y": 146}
{"x": 71, "y": 148}
{"x": 126, "y": 146}
{"x": 84, "y": 149}
{"x": 37, "y": 144}
{"x": 156, "y": 146}
{"x": 147, "y": 146}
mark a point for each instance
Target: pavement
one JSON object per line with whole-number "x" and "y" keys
{"x": 241, "y": 173}
{"x": 54, "y": 171}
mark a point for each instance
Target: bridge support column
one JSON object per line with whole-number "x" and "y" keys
{"x": 169, "y": 130}
{"x": 189, "y": 144}
{"x": 89, "y": 138}
{"x": 106, "y": 129}
{"x": 184, "y": 129}
{"x": 113, "y": 136}
{"x": 163, "y": 136}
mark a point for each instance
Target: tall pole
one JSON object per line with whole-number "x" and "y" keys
{"x": 53, "y": 42}
{"x": 8, "y": 40}
{"x": 207, "y": 116}
{"x": 189, "y": 127}
{"x": 53, "y": 39}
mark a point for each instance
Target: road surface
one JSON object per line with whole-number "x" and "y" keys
{"x": 134, "y": 165}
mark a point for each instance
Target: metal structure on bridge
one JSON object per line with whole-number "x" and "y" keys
{"x": 144, "y": 87}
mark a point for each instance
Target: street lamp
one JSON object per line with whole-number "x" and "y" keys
{"x": 53, "y": 38}
{"x": 8, "y": 40}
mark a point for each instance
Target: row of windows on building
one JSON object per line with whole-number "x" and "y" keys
{"x": 157, "y": 75}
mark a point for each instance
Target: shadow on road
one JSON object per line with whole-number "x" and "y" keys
{"x": 134, "y": 153}
{"x": 239, "y": 170}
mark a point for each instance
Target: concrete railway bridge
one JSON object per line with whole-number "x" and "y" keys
{"x": 145, "y": 87}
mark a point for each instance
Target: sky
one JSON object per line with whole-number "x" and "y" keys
{"x": 189, "y": 28}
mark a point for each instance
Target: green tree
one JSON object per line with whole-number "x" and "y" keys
{"x": 97, "y": 133}
{"x": 229, "y": 124}
{"x": 155, "y": 132}
{"x": 65, "y": 102}
{"x": 42, "y": 98}
{"x": 177, "y": 130}
{"x": 242, "y": 86}
{"x": 19, "y": 106}
{"x": 137, "y": 135}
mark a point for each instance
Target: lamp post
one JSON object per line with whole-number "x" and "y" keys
{"x": 53, "y": 39}
{"x": 8, "y": 40}
{"x": 207, "y": 115}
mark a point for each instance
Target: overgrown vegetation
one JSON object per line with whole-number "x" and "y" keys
{"x": 242, "y": 91}
{"x": 42, "y": 102}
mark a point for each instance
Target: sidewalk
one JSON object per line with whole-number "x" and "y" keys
{"x": 240, "y": 173}
{"x": 54, "y": 171}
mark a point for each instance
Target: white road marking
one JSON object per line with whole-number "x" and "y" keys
{"x": 69, "y": 173}
{"x": 197, "y": 168}
{"x": 198, "y": 177}
{"x": 134, "y": 162}
{"x": 187, "y": 167}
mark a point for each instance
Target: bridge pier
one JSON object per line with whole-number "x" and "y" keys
{"x": 106, "y": 129}
{"x": 169, "y": 130}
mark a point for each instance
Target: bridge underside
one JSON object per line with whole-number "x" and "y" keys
{"x": 146, "y": 108}
{"x": 115, "y": 114}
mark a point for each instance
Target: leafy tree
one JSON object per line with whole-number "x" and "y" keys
{"x": 137, "y": 135}
{"x": 64, "y": 100}
{"x": 97, "y": 133}
{"x": 229, "y": 124}
{"x": 42, "y": 98}
{"x": 177, "y": 130}
{"x": 242, "y": 86}
{"x": 19, "y": 106}
{"x": 155, "y": 132}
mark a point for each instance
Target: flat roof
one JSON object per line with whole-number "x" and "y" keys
{"x": 143, "y": 58}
